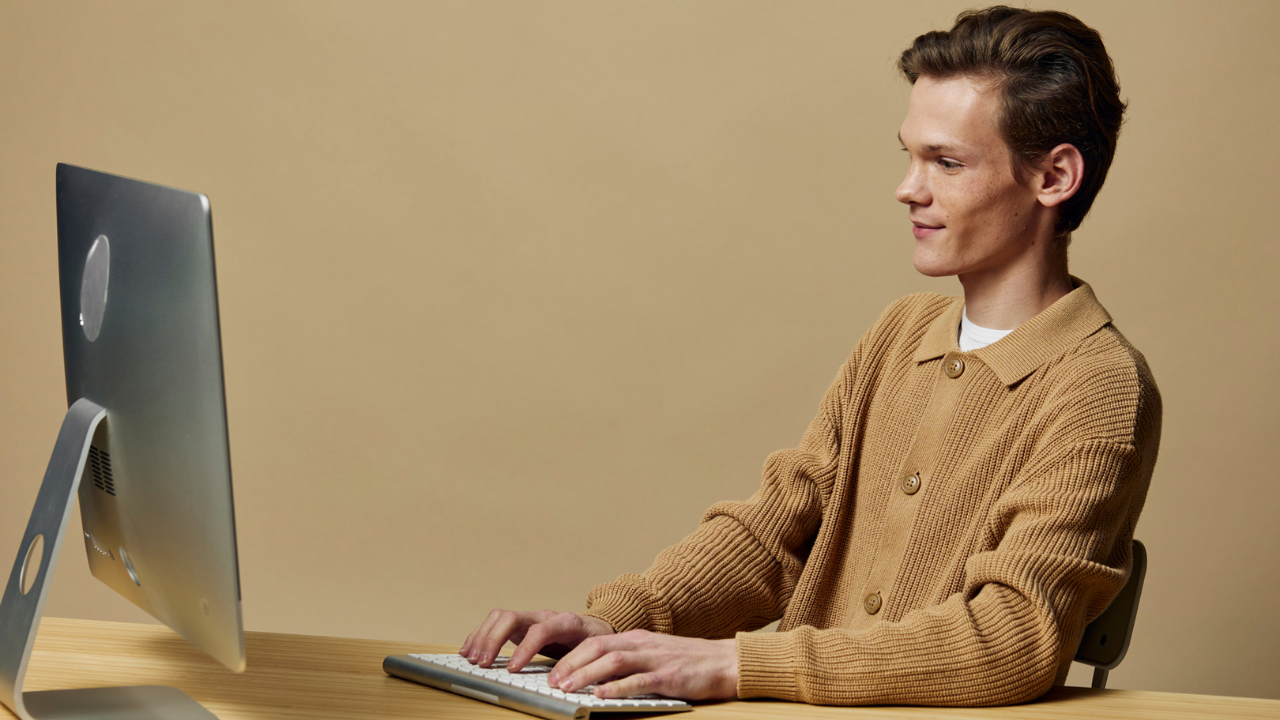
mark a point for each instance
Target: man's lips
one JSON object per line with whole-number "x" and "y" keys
{"x": 922, "y": 230}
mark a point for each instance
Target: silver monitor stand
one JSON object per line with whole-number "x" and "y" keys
{"x": 28, "y": 586}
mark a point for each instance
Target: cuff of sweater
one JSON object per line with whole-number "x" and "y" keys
{"x": 621, "y": 607}
{"x": 767, "y": 665}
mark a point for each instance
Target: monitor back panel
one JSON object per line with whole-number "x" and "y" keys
{"x": 156, "y": 497}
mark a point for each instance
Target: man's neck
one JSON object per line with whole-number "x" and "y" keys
{"x": 1005, "y": 297}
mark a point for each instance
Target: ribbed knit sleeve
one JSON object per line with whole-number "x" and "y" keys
{"x": 1065, "y": 550}
{"x": 738, "y": 569}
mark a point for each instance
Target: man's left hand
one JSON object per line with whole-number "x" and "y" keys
{"x": 646, "y": 662}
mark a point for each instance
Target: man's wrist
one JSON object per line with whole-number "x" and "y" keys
{"x": 596, "y": 625}
{"x": 730, "y": 673}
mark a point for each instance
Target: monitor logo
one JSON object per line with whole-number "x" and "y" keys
{"x": 93, "y": 287}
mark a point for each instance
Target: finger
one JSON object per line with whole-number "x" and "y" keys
{"x": 615, "y": 663}
{"x": 473, "y": 640}
{"x": 591, "y": 648}
{"x": 557, "y": 629}
{"x": 534, "y": 639}
{"x": 483, "y": 639}
{"x": 498, "y": 632}
{"x": 587, "y": 651}
{"x": 637, "y": 684}
{"x": 471, "y": 637}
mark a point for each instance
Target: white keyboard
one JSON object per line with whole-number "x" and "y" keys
{"x": 526, "y": 690}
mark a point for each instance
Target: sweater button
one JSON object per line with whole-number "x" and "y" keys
{"x": 911, "y": 484}
{"x": 954, "y": 368}
{"x": 872, "y": 603}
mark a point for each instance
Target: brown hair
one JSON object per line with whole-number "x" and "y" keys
{"x": 1056, "y": 81}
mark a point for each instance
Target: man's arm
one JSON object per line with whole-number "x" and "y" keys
{"x": 1064, "y": 551}
{"x": 738, "y": 570}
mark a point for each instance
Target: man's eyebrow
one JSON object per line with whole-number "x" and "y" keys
{"x": 931, "y": 148}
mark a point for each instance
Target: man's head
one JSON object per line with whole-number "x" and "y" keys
{"x": 1055, "y": 85}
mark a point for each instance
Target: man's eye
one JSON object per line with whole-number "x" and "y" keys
{"x": 948, "y": 164}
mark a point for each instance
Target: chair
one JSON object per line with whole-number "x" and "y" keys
{"x": 1106, "y": 640}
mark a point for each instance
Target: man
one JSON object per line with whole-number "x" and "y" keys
{"x": 964, "y": 502}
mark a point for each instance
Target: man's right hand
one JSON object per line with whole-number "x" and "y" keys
{"x": 546, "y": 631}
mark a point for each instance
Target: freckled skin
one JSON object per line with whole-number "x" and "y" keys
{"x": 995, "y": 229}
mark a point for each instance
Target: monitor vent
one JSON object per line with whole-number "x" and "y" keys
{"x": 100, "y": 464}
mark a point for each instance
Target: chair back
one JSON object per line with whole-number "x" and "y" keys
{"x": 1106, "y": 640}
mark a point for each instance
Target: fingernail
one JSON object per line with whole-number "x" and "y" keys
{"x": 484, "y": 658}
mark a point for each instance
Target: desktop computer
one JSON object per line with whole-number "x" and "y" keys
{"x": 143, "y": 444}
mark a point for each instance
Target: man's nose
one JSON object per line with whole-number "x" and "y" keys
{"x": 912, "y": 189}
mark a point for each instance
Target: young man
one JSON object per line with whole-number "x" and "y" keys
{"x": 964, "y": 502}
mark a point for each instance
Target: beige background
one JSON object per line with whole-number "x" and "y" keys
{"x": 512, "y": 291}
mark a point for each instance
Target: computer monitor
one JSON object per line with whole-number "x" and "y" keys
{"x": 144, "y": 442}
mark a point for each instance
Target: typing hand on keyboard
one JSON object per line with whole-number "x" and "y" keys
{"x": 609, "y": 665}
{"x": 639, "y": 661}
{"x": 534, "y": 679}
{"x": 543, "y": 632}
{"x": 526, "y": 690}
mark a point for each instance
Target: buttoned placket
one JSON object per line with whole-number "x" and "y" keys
{"x": 911, "y": 486}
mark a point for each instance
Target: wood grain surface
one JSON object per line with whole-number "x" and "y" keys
{"x": 300, "y": 676}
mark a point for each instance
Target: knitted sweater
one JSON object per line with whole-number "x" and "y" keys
{"x": 948, "y": 525}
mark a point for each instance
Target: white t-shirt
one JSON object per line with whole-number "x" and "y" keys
{"x": 973, "y": 336}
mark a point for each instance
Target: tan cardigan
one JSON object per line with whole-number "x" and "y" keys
{"x": 947, "y": 527}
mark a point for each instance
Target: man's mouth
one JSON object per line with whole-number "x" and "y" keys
{"x": 924, "y": 230}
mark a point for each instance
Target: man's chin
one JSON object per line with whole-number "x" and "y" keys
{"x": 930, "y": 266}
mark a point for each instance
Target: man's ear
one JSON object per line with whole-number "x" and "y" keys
{"x": 1060, "y": 175}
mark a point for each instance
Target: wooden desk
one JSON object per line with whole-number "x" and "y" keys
{"x": 299, "y": 676}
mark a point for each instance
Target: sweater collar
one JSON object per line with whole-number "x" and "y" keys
{"x": 1061, "y": 326}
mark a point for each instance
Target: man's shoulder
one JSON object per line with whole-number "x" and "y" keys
{"x": 1108, "y": 356}
{"x": 1105, "y": 384}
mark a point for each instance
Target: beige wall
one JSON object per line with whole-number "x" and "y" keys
{"x": 512, "y": 291}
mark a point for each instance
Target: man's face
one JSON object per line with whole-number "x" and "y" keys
{"x": 969, "y": 211}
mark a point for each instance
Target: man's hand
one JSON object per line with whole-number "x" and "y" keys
{"x": 545, "y": 631}
{"x": 647, "y": 662}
